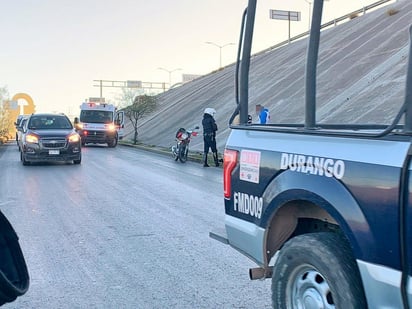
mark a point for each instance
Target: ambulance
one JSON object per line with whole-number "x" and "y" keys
{"x": 100, "y": 123}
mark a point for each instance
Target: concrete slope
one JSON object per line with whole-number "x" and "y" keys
{"x": 361, "y": 79}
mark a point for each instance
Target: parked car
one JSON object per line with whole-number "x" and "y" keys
{"x": 19, "y": 123}
{"x": 18, "y": 120}
{"x": 49, "y": 137}
{"x": 19, "y": 130}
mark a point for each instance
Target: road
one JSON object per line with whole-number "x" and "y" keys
{"x": 127, "y": 228}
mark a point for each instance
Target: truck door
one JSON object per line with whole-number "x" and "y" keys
{"x": 119, "y": 121}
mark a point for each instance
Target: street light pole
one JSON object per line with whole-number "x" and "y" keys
{"x": 170, "y": 74}
{"x": 310, "y": 10}
{"x": 220, "y": 50}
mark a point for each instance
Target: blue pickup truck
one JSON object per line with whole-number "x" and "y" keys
{"x": 325, "y": 211}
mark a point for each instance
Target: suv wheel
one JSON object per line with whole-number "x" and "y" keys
{"x": 23, "y": 159}
{"x": 78, "y": 161}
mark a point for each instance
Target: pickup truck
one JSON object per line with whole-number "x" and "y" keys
{"x": 324, "y": 210}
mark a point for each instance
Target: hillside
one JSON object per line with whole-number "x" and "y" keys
{"x": 361, "y": 79}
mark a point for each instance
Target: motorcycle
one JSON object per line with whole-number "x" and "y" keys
{"x": 181, "y": 149}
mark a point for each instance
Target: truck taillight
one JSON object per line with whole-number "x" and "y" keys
{"x": 229, "y": 163}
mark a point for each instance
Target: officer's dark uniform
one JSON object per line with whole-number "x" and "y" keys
{"x": 209, "y": 138}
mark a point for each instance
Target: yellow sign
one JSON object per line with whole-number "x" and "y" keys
{"x": 27, "y": 109}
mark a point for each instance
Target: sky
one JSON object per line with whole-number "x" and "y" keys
{"x": 55, "y": 50}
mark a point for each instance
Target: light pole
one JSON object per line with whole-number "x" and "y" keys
{"x": 220, "y": 50}
{"x": 170, "y": 74}
{"x": 310, "y": 10}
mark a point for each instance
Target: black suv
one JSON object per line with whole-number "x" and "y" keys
{"x": 50, "y": 137}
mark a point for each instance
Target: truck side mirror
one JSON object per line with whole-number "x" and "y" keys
{"x": 76, "y": 120}
{"x": 14, "y": 277}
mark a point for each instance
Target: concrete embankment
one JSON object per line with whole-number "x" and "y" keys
{"x": 361, "y": 79}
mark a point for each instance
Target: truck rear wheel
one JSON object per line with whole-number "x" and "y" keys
{"x": 317, "y": 271}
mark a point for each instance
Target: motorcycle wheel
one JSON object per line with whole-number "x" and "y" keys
{"x": 183, "y": 153}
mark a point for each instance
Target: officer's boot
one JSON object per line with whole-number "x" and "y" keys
{"x": 205, "y": 160}
{"x": 216, "y": 159}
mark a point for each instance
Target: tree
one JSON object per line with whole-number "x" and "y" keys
{"x": 4, "y": 120}
{"x": 142, "y": 105}
{"x": 4, "y": 112}
{"x": 127, "y": 96}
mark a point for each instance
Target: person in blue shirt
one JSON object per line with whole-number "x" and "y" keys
{"x": 264, "y": 115}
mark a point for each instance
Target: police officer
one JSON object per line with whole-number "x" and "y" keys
{"x": 209, "y": 135}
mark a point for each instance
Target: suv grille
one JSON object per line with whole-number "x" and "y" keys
{"x": 53, "y": 142}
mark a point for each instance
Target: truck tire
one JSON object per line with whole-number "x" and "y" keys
{"x": 112, "y": 143}
{"x": 317, "y": 271}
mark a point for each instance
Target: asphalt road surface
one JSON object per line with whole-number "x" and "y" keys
{"x": 127, "y": 228}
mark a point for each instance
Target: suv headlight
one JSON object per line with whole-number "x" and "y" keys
{"x": 74, "y": 138}
{"x": 31, "y": 138}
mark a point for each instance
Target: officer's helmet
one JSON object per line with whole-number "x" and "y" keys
{"x": 210, "y": 111}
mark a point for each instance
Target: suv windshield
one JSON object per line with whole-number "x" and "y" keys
{"x": 49, "y": 122}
